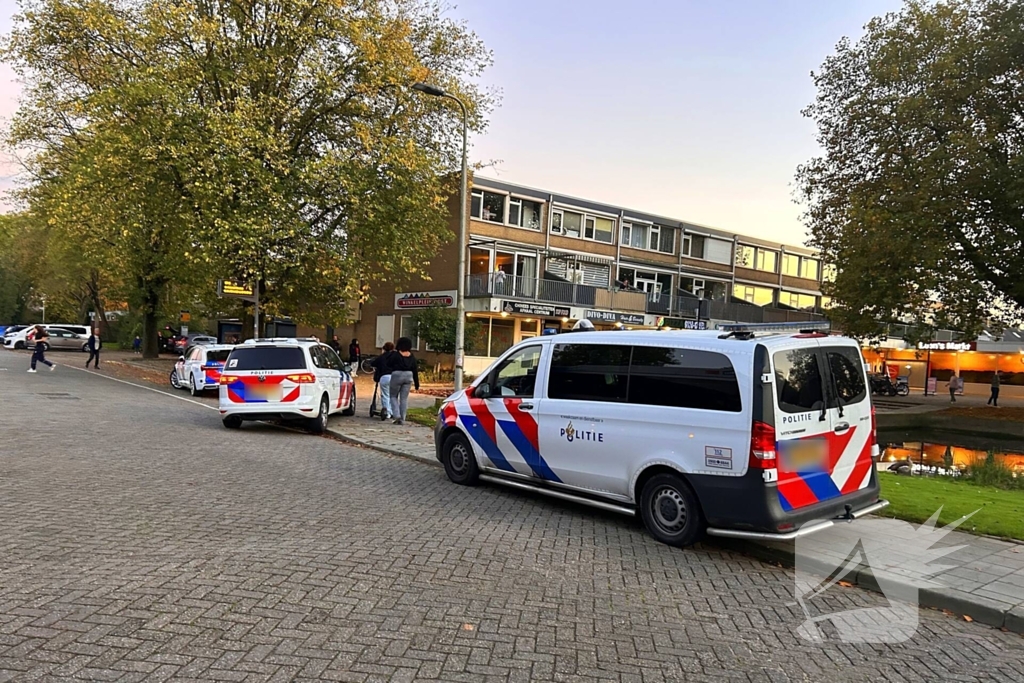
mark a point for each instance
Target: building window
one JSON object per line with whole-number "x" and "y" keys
{"x": 802, "y": 301}
{"x": 571, "y": 223}
{"x": 693, "y": 246}
{"x": 667, "y": 241}
{"x": 556, "y": 222}
{"x": 768, "y": 261}
{"x": 745, "y": 256}
{"x": 649, "y": 237}
{"x": 759, "y": 296}
{"x": 791, "y": 265}
{"x": 488, "y": 206}
{"x": 524, "y": 213}
{"x": 585, "y": 226}
{"x": 809, "y": 268}
{"x": 800, "y": 266}
{"x": 604, "y": 230}
{"x": 407, "y": 328}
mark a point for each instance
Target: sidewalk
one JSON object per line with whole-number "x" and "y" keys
{"x": 985, "y": 581}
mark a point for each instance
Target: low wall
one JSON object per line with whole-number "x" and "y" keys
{"x": 998, "y": 429}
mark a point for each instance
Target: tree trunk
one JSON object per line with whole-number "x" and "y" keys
{"x": 97, "y": 304}
{"x": 150, "y": 305}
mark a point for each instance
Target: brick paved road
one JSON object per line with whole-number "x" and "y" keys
{"x": 139, "y": 540}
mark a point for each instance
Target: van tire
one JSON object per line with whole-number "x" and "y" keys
{"x": 318, "y": 424}
{"x": 351, "y": 410}
{"x": 459, "y": 461}
{"x": 232, "y": 422}
{"x": 670, "y": 511}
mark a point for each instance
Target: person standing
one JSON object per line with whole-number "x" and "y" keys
{"x": 382, "y": 376}
{"x": 137, "y": 344}
{"x": 335, "y": 344}
{"x": 404, "y": 376}
{"x": 353, "y": 353}
{"x": 954, "y": 386}
{"x": 42, "y": 340}
{"x": 993, "y": 400}
{"x": 94, "y": 344}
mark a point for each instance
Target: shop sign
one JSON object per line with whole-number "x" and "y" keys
{"x": 611, "y": 317}
{"x": 535, "y": 310}
{"x": 944, "y": 346}
{"x": 408, "y": 300}
{"x": 683, "y": 323}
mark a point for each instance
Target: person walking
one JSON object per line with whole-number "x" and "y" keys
{"x": 382, "y": 376}
{"x": 353, "y": 353}
{"x": 42, "y": 340}
{"x": 404, "y": 376}
{"x": 94, "y": 344}
{"x": 993, "y": 400}
{"x": 954, "y": 386}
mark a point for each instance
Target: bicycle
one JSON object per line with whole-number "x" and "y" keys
{"x": 366, "y": 364}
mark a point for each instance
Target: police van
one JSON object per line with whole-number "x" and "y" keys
{"x": 751, "y": 431}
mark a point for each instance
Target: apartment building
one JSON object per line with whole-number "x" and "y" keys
{"x": 538, "y": 260}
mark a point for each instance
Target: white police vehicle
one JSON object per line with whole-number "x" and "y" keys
{"x": 285, "y": 379}
{"x": 200, "y": 367}
{"x": 753, "y": 431}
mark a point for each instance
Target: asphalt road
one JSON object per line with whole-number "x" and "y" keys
{"x": 140, "y": 540}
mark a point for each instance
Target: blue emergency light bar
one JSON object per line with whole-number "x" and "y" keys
{"x": 748, "y": 330}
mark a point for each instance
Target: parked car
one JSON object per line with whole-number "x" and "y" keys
{"x": 61, "y": 338}
{"x": 761, "y": 432}
{"x": 182, "y": 343}
{"x": 200, "y": 367}
{"x": 286, "y": 379}
{"x": 23, "y": 339}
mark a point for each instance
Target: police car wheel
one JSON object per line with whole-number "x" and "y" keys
{"x": 232, "y": 422}
{"x": 318, "y": 425}
{"x": 351, "y": 410}
{"x": 192, "y": 385}
{"x": 459, "y": 461}
{"x": 174, "y": 379}
{"x": 670, "y": 510}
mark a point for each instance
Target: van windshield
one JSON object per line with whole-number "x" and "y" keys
{"x": 267, "y": 358}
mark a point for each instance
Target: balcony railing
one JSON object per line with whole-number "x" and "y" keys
{"x": 499, "y": 285}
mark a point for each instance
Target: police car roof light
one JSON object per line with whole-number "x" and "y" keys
{"x": 748, "y": 330}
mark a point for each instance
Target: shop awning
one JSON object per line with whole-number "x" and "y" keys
{"x": 578, "y": 258}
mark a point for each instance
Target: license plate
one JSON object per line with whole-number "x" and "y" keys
{"x": 265, "y": 393}
{"x": 803, "y": 455}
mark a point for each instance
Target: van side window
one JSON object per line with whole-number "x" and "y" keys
{"x": 798, "y": 380}
{"x": 683, "y": 378}
{"x": 846, "y": 366}
{"x": 589, "y": 372}
{"x": 517, "y": 375}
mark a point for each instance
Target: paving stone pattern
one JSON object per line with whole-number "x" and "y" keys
{"x": 142, "y": 541}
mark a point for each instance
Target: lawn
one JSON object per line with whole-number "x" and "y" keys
{"x": 423, "y": 416}
{"x": 915, "y": 499}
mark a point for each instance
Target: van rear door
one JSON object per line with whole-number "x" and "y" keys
{"x": 852, "y": 442}
{"x": 803, "y": 426}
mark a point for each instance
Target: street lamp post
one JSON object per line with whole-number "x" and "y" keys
{"x": 460, "y": 287}
{"x": 700, "y": 305}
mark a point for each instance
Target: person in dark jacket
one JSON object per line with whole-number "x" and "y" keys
{"x": 353, "y": 353}
{"x": 404, "y": 376}
{"x": 94, "y": 344}
{"x": 382, "y": 376}
{"x": 42, "y": 340}
{"x": 993, "y": 399}
{"x": 335, "y": 344}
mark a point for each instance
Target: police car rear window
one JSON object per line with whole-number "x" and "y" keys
{"x": 218, "y": 356}
{"x": 267, "y": 358}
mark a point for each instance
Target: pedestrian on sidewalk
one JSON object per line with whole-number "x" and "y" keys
{"x": 382, "y": 376}
{"x": 993, "y": 400}
{"x": 39, "y": 353}
{"x": 94, "y": 344}
{"x": 137, "y": 344}
{"x": 335, "y": 344}
{"x": 404, "y": 376}
{"x": 954, "y": 386}
{"x": 353, "y": 353}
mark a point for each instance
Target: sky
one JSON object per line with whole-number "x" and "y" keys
{"x": 688, "y": 109}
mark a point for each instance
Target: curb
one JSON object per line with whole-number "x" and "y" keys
{"x": 980, "y": 609}
{"x": 377, "y": 447}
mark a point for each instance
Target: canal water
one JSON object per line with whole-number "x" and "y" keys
{"x": 929, "y": 449}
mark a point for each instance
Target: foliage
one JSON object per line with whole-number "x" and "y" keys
{"x": 918, "y": 197}
{"x": 436, "y": 327}
{"x": 423, "y": 416}
{"x": 990, "y": 471}
{"x": 266, "y": 140}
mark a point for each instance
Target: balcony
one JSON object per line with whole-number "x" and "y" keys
{"x": 544, "y": 290}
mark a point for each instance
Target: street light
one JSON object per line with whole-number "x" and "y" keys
{"x": 460, "y": 286}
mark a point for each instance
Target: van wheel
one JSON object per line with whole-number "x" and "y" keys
{"x": 459, "y": 461}
{"x": 670, "y": 511}
{"x": 318, "y": 425}
{"x": 232, "y": 422}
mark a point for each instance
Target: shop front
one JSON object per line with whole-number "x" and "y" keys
{"x": 492, "y": 332}
{"x": 974, "y": 362}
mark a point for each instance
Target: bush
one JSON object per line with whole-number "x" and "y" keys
{"x": 990, "y": 471}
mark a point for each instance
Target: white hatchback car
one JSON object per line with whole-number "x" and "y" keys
{"x": 285, "y": 379}
{"x": 200, "y": 368}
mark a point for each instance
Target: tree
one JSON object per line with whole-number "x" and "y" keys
{"x": 435, "y": 326}
{"x": 918, "y": 195}
{"x": 273, "y": 141}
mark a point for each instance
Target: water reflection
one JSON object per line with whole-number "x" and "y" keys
{"x": 929, "y": 455}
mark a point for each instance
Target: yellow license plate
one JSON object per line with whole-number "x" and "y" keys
{"x": 803, "y": 455}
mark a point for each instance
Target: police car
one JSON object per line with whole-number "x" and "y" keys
{"x": 753, "y": 431}
{"x": 200, "y": 367}
{"x": 286, "y": 379}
